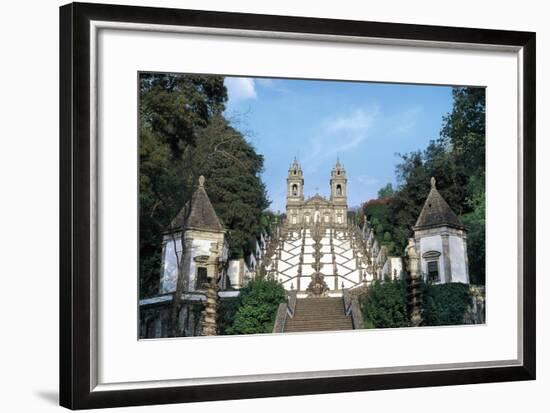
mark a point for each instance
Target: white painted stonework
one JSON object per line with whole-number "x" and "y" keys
{"x": 393, "y": 268}
{"x": 427, "y": 244}
{"x": 238, "y": 273}
{"x": 452, "y": 261}
{"x": 459, "y": 264}
{"x": 342, "y": 265}
{"x": 169, "y": 271}
{"x": 196, "y": 246}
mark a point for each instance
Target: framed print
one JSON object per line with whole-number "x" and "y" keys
{"x": 258, "y": 206}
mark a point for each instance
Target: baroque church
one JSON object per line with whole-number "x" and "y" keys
{"x": 323, "y": 260}
{"x": 317, "y": 209}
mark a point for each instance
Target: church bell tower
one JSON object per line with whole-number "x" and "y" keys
{"x": 295, "y": 192}
{"x": 339, "y": 193}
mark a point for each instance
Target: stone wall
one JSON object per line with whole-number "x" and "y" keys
{"x": 155, "y": 320}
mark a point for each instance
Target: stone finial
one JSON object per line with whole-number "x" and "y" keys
{"x": 432, "y": 182}
{"x": 201, "y": 181}
{"x": 413, "y": 257}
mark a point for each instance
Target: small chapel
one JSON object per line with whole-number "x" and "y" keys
{"x": 323, "y": 261}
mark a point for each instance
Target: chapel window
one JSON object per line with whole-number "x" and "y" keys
{"x": 433, "y": 271}
{"x": 338, "y": 189}
{"x": 202, "y": 277}
{"x": 294, "y": 190}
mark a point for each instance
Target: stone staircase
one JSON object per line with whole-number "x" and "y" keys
{"x": 318, "y": 314}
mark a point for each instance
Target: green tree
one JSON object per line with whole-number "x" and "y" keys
{"x": 475, "y": 224}
{"x": 464, "y": 129}
{"x": 269, "y": 221}
{"x": 232, "y": 170}
{"x": 385, "y": 305}
{"x": 386, "y": 191}
{"x": 172, "y": 109}
{"x": 259, "y": 302}
{"x": 183, "y": 134}
{"x": 157, "y": 205}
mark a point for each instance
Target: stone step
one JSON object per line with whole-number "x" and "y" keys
{"x": 318, "y": 319}
{"x": 313, "y": 326}
{"x": 319, "y": 314}
{"x": 295, "y": 329}
{"x": 320, "y": 307}
{"x": 335, "y": 317}
{"x": 340, "y": 323}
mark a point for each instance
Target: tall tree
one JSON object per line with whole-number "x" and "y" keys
{"x": 183, "y": 134}
{"x": 386, "y": 191}
{"x": 464, "y": 129}
{"x": 172, "y": 109}
{"x": 232, "y": 169}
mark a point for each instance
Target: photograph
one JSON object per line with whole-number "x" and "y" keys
{"x": 286, "y": 205}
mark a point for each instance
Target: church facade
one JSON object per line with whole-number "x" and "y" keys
{"x": 317, "y": 209}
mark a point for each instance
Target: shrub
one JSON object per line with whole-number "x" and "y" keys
{"x": 385, "y": 305}
{"x": 258, "y": 304}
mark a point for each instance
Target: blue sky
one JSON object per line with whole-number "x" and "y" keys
{"x": 365, "y": 124}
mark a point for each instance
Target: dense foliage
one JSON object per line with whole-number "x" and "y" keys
{"x": 257, "y": 309}
{"x": 232, "y": 171}
{"x": 445, "y": 304}
{"x": 385, "y": 305}
{"x": 183, "y": 134}
{"x": 457, "y": 160}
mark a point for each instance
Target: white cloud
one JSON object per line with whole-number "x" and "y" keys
{"x": 240, "y": 88}
{"x": 357, "y": 121}
{"x": 272, "y": 84}
{"x": 340, "y": 133}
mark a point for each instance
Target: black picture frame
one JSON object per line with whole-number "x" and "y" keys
{"x": 75, "y": 219}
